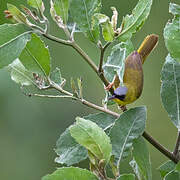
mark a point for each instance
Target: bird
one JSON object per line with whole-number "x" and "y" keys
{"x": 133, "y": 74}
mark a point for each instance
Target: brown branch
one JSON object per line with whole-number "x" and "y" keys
{"x": 161, "y": 148}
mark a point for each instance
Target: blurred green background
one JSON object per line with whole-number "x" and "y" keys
{"x": 29, "y": 127}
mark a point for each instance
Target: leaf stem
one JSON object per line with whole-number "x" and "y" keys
{"x": 102, "y": 48}
{"x": 176, "y": 149}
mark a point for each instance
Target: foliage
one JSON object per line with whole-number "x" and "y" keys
{"x": 105, "y": 138}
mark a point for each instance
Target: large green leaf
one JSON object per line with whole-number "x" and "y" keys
{"x": 61, "y": 7}
{"x": 170, "y": 89}
{"x": 126, "y": 177}
{"x": 19, "y": 74}
{"x": 115, "y": 63}
{"x": 35, "y": 56}
{"x": 167, "y": 167}
{"x": 132, "y": 23}
{"x": 68, "y": 150}
{"x": 13, "y": 39}
{"x": 92, "y": 137}
{"x": 141, "y": 159}
{"x": 70, "y": 173}
{"x": 129, "y": 126}
{"x": 172, "y": 32}
{"x": 82, "y": 12}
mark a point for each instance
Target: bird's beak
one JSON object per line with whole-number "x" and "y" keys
{"x": 111, "y": 97}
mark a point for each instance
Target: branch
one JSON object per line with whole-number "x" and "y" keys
{"x": 55, "y": 39}
{"x": 50, "y": 96}
{"x": 176, "y": 149}
{"x": 73, "y": 44}
{"x": 161, "y": 148}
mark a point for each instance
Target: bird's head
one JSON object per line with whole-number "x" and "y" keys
{"x": 119, "y": 93}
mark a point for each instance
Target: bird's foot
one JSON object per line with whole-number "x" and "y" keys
{"x": 123, "y": 108}
{"x": 107, "y": 88}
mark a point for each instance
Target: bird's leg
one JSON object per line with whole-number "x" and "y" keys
{"x": 115, "y": 82}
{"x": 110, "y": 85}
{"x": 123, "y": 108}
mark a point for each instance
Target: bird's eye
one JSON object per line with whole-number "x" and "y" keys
{"x": 120, "y": 97}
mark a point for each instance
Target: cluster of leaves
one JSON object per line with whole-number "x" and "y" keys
{"x": 170, "y": 88}
{"x": 102, "y": 138}
{"x": 107, "y": 140}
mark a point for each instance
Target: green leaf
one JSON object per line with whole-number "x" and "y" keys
{"x": 37, "y": 4}
{"x": 132, "y": 23}
{"x": 19, "y": 74}
{"x": 172, "y": 33}
{"x": 71, "y": 173}
{"x": 82, "y": 12}
{"x": 107, "y": 29}
{"x": 13, "y": 38}
{"x": 92, "y": 138}
{"x": 170, "y": 89}
{"x": 56, "y": 76}
{"x": 35, "y": 57}
{"x": 178, "y": 167}
{"x": 172, "y": 176}
{"x": 18, "y": 16}
{"x": 141, "y": 160}
{"x": 129, "y": 126}
{"x": 116, "y": 61}
{"x": 167, "y": 167}
{"x": 126, "y": 177}
{"x": 68, "y": 150}
{"x": 61, "y": 7}
{"x": 103, "y": 120}
{"x": 174, "y": 9}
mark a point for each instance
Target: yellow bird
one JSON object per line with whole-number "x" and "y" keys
{"x": 133, "y": 74}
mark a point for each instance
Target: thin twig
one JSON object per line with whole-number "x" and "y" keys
{"x": 92, "y": 64}
{"x": 51, "y": 96}
{"x": 58, "y": 40}
{"x": 176, "y": 149}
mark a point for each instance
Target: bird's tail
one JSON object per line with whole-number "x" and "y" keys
{"x": 147, "y": 46}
